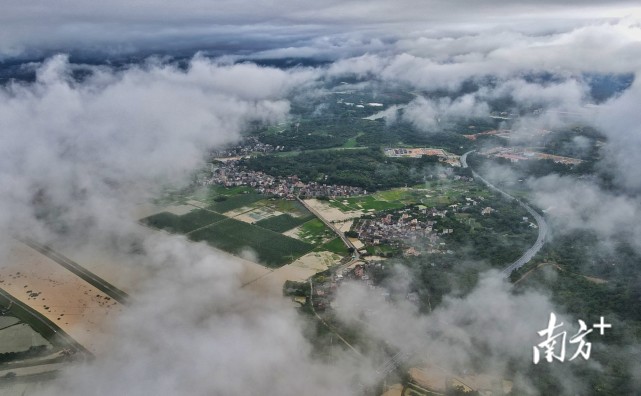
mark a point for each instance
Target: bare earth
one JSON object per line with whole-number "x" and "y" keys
{"x": 294, "y": 233}
{"x": 330, "y": 213}
{"x": 394, "y": 390}
{"x": 357, "y": 243}
{"x": 298, "y": 271}
{"x": 344, "y": 226}
{"x": 119, "y": 271}
{"x": 86, "y": 313}
{"x": 78, "y": 308}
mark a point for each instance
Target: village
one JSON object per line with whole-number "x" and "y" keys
{"x": 249, "y": 145}
{"x": 232, "y": 174}
{"x": 402, "y": 229}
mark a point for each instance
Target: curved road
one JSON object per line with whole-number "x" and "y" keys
{"x": 540, "y": 221}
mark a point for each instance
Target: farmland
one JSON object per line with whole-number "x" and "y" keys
{"x": 315, "y": 232}
{"x": 244, "y": 221}
{"x": 335, "y": 245}
{"x": 272, "y": 249}
{"x": 182, "y": 224}
{"x": 431, "y": 193}
{"x": 234, "y": 202}
{"x": 282, "y": 223}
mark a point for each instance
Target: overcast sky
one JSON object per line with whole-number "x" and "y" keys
{"x": 124, "y": 26}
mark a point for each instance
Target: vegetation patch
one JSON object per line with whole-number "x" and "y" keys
{"x": 367, "y": 168}
{"x": 336, "y": 245}
{"x": 282, "y": 222}
{"x": 365, "y": 203}
{"x": 314, "y": 232}
{"x": 273, "y": 249}
{"x": 294, "y": 208}
{"x": 182, "y": 224}
{"x": 234, "y": 202}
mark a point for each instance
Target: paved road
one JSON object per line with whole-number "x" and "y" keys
{"x": 540, "y": 222}
{"x": 355, "y": 257}
{"x": 79, "y": 270}
{"x": 47, "y": 323}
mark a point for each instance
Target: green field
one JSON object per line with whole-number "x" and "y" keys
{"x": 351, "y": 142}
{"x": 273, "y": 249}
{"x": 294, "y": 208}
{"x": 364, "y": 203}
{"x": 234, "y": 202}
{"x": 336, "y": 245}
{"x": 434, "y": 193}
{"x": 315, "y": 232}
{"x": 182, "y": 224}
{"x": 381, "y": 250}
{"x": 282, "y": 222}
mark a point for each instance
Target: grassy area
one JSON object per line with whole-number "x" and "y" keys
{"x": 234, "y": 202}
{"x": 364, "y": 203}
{"x": 351, "y": 142}
{"x": 336, "y": 245}
{"x": 314, "y": 232}
{"x": 381, "y": 250}
{"x": 182, "y": 224}
{"x": 294, "y": 208}
{"x": 283, "y": 222}
{"x": 208, "y": 193}
{"x": 273, "y": 249}
{"x": 434, "y": 193}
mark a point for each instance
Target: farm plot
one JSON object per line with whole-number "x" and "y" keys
{"x": 283, "y": 222}
{"x": 315, "y": 232}
{"x": 273, "y": 249}
{"x": 294, "y": 208}
{"x": 335, "y": 245}
{"x": 234, "y": 202}
{"x": 364, "y": 203}
{"x": 182, "y": 224}
{"x": 20, "y": 337}
{"x": 435, "y": 193}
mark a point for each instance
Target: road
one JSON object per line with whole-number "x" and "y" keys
{"x": 330, "y": 328}
{"x": 540, "y": 222}
{"x": 355, "y": 255}
{"x": 80, "y": 271}
{"x": 35, "y": 316}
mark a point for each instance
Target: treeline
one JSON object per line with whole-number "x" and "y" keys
{"x": 503, "y": 235}
{"x": 592, "y": 279}
{"x": 319, "y": 133}
{"x": 367, "y": 168}
{"x": 391, "y": 135}
{"x": 336, "y": 130}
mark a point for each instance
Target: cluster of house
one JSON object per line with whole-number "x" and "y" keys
{"x": 362, "y": 272}
{"x": 403, "y": 229}
{"x": 388, "y": 230}
{"x": 249, "y": 145}
{"x": 231, "y": 174}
